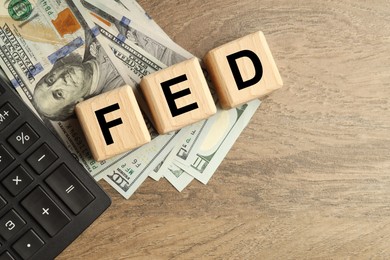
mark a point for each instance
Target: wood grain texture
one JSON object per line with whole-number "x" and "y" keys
{"x": 309, "y": 177}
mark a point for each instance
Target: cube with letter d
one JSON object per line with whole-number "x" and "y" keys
{"x": 178, "y": 96}
{"x": 112, "y": 123}
{"x": 243, "y": 70}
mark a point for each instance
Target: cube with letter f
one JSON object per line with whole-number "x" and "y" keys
{"x": 112, "y": 123}
{"x": 243, "y": 70}
{"x": 178, "y": 96}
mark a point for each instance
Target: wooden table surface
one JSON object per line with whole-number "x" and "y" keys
{"x": 310, "y": 175}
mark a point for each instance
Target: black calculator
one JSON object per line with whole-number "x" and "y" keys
{"x": 47, "y": 198}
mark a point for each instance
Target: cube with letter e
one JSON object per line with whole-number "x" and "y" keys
{"x": 243, "y": 70}
{"x": 178, "y": 96}
{"x": 112, "y": 123}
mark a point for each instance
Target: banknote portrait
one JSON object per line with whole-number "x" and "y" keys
{"x": 74, "y": 78}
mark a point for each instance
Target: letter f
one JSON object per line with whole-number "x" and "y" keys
{"x": 104, "y": 125}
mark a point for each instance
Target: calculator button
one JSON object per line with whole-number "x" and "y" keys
{"x": 7, "y": 115}
{"x": 69, "y": 189}
{"x": 6, "y": 256}
{"x": 23, "y": 138}
{"x": 17, "y": 180}
{"x": 45, "y": 211}
{"x": 2, "y": 202}
{"x": 10, "y": 224}
{"x": 42, "y": 158}
{"x": 28, "y": 244}
{"x": 5, "y": 158}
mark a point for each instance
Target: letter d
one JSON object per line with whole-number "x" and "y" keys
{"x": 232, "y": 60}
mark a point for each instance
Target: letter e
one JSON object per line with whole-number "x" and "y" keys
{"x": 170, "y": 97}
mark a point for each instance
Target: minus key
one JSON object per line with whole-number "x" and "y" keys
{"x": 42, "y": 158}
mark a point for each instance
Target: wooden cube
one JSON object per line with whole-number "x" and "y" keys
{"x": 243, "y": 70}
{"x": 112, "y": 123}
{"x": 178, "y": 96}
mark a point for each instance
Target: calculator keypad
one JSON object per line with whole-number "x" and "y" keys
{"x": 46, "y": 197}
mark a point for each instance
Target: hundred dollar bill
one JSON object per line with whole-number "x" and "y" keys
{"x": 134, "y": 62}
{"x": 191, "y": 141}
{"x": 130, "y": 174}
{"x": 132, "y": 4}
{"x": 50, "y": 59}
{"x": 104, "y": 15}
{"x": 154, "y": 174}
{"x": 218, "y": 135}
{"x": 54, "y": 61}
{"x": 133, "y": 13}
{"x": 178, "y": 177}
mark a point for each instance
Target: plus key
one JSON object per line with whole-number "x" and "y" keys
{"x": 45, "y": 211}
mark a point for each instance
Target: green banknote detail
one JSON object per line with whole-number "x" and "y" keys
{"x": 20, "y": 10}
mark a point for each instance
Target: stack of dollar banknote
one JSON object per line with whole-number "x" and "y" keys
{"x": 57, "y": 53}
